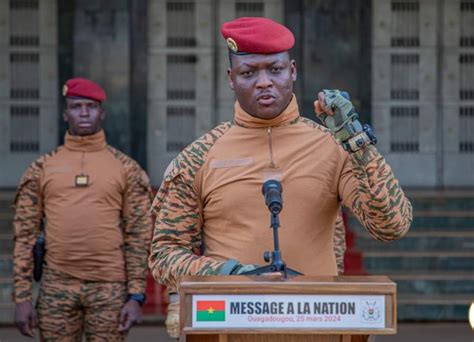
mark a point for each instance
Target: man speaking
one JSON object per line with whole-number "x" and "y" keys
{"x": 211, "y": 218}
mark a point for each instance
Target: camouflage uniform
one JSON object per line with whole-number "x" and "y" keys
{"x": 67, "y": 306}
{"x": 66, "y": 300}
{"x": 376, "y": 198}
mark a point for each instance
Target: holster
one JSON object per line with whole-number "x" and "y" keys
{"x": 39, "y": 251}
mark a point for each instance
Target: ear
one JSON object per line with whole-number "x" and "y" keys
{"x": 229, "y": 78}
{"x": 294, "y": 72}
{"x": 65, "y": 115}
{"x": 102, "y": 113}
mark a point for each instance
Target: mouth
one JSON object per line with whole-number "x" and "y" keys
{"x": 266, "y": 99}
{"x": 85, "y": 124}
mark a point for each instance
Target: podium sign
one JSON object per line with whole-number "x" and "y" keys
{"x": 261, "y": 308}
{"x": 288, "y": 311}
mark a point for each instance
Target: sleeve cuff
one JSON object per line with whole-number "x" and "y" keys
{"x": 136, "y": 286}
{"x": 366, "y": 155}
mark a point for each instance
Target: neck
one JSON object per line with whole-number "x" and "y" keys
{"x": 86, "y": 143}
{"x": 291, "y": 113}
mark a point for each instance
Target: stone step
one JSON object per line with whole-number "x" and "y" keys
{"x": 6, "y": 265}
{"x": 429, "y": 287}
{"x": 455, "y": 222}
{"x": 6, "y": 290}
{"x": 433, "y": 241}
{"x": 6, "y": 243}
{"x": 427, "y": 283}
{"x": 431, "y": 312}
{"x": 426, "y": 233}
{"x": 420, "y": 224}
{"x": 433, "y": 307}
{"x": 422, "y": 261}
{"x": 451, "y": 299}
{"x": 6, "y": 201}
{"x": 442, "y": 203}
{"x": 6, "y": 223}
{"x": 7, "y": 312}
{"x": 6, "y": 211}
{"x": 397, "y": 275}
{"x": 7, "y": 193}
{"x": 444, "y": 213}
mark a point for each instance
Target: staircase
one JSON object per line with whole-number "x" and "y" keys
{"x": 6, "y": 250}
{"x": 433, "y": 265}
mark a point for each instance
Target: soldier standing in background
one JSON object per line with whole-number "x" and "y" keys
{"x": 95, "y": 203}
{"x": 210, "y": 215}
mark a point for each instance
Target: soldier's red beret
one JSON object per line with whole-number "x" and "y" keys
{"x": 82, "y": 87}
{"x": 257, "y": 35}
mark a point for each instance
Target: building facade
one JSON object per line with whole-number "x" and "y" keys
{"x": 408, "y": 65}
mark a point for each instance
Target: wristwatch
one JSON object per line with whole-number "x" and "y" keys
{"x": 360, "y": 140}
{"x": 138, "y": 297}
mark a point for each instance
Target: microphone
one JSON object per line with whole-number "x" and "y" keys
{"x": 272, "y": 190}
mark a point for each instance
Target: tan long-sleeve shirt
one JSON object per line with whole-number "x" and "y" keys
{"x": 100, "y": 231}
{"x": 211, "y": 196}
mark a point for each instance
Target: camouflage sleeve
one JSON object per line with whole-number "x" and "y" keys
{"x": 370, "y": 190}
{"x": 340, "y": 243}
{"x": 137, "y": 226}
{"x": 26, "y": 225}
{"x": 176, "y": 242}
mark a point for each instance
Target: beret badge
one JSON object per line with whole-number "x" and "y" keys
{"x": 65, "y": 90}
{"x": 232, "y": 45}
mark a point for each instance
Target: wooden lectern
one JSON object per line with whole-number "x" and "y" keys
{"x": 301, "y": 308}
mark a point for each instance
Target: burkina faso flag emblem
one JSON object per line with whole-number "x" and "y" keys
{"x": 210, "y": 310}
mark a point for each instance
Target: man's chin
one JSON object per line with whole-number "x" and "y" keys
{"x": 82, "y": 132}
{"x": 268, "y": 113}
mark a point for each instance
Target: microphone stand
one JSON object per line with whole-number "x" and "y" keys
{"x": 277, "y": 264}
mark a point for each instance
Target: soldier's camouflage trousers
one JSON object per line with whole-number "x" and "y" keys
{"x": 67, "y": 307}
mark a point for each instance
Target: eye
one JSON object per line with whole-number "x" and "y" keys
{"x": 276, "y": 69}
{"x": 246, "y": 73}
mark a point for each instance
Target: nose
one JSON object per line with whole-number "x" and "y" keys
{"x": 263, "y": 81}
{"x": 84, "y": 110}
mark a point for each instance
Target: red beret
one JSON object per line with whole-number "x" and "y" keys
{"x": 257, "y": 35}
{"x": 81, "y": 87}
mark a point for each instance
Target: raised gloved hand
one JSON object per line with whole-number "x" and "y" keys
{"x": 336, "y": 111}
{"x": 172, "y": 317}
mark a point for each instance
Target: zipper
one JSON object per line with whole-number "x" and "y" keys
{"x": 270, "y": 146}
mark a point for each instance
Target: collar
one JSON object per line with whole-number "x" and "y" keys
{"x": 88, "y": 143}
{"x": 290, "y": 114}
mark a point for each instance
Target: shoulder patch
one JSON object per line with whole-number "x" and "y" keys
{"x": 190, "y": 160}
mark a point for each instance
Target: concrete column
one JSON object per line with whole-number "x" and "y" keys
{"x": 102, "y": 53}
